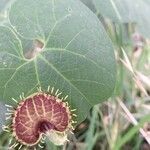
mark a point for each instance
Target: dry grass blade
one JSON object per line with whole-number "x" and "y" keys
{"x": 127, "y": 62}
{"x": 143, "y": 78}
{"x": 136, "y": 77}
{"x": 133, "y": 120}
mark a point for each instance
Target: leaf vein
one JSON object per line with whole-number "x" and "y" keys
{"x": 55, "y": 69}
{"x": 12, "y": 77}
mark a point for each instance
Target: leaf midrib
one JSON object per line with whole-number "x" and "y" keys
{"x": 36, "y": 71}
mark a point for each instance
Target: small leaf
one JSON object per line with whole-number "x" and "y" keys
{"x": 89, "y": 4}
{"x": 117, "y": 10}
{"x": 3, "y": 4}
{"x": 124, "y": 12}
{"x": 57, "y": 43}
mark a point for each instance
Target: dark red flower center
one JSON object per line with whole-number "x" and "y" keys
{"x": 36, "y": 115}
{"x": 44, "y": 126}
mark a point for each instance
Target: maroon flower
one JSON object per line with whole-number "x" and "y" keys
{"x": 41, "y": 114}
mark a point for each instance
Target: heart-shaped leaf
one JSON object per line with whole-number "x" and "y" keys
{"x": 3, "y": 13}
{"x": 137, "y": 11}
{"x": 58, "y": 43}
{"x": 3, "y": 4}
{"x": 117, "y": 10}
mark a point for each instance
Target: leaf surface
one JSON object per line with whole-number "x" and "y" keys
{"x": 2, "y": 114}
{"x": 77, "y": 57}
{"x": 136, "y": 11}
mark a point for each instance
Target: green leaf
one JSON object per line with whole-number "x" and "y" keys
{"x": 117, "y": 10}
{"x": 89, "y": 4}
{"x": 50, "y": 145}
{"x": 143, "y": 18}
{"x": 2, "y": 114}
{"x": 137, "y": 11}
{"x": 3, "y": 4}
{"x": 77, "y": 57}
